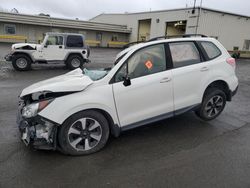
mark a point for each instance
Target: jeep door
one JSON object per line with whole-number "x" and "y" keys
{"x": 54, "y": 48}
{"x": 189, "y": 74}
{"x": 150, "y": 94}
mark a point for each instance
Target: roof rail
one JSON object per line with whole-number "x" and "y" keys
{"x": 176, "y": 36}
{"x": 132, "y": 43}
{"x": 165, "y": 37}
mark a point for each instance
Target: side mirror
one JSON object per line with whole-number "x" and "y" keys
{"x": 127, "y": 81}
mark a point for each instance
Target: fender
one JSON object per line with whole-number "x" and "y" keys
{"x": 210, "y": 82}
{"x": 76, "y": 53}
{"x": 63, "y": 107}
{"x": 28, "y": 53}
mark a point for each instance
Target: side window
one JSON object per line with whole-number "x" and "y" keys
{"x": 74, "y": 41}
{"x": 211, "y": 50}
{"x": 144, "y": 62}
{"x": 184, "y": 54}
{"x": 147, "y": 61}
{"x": 54, "y": 40}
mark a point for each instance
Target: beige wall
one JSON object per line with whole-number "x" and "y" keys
{"x": 231, "y": 30}
{"x": 35, "y": 33}
{"x": 157, "y": 29}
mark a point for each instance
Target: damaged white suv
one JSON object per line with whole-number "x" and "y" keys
{"x": 69, "y": 48}
{"x": 78, "y": 111}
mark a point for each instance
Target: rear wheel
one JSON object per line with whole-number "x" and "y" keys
{"x": 212, "y": 105}
{"x": 74, "y": 62}
{"x": 21, "y": 62}
{"x": 84, "y": 133}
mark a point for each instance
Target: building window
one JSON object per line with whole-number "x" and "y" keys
{"x": 10, "y": 29}
{"x": 215, "y": 37}
{"x": 99, "y": 36}
{"x": 114, "y": 38}
{"x": 246, "y": 45}
{"x": 235, "y": 48}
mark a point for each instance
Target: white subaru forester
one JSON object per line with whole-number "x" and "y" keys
{"x": 78, "y": 111}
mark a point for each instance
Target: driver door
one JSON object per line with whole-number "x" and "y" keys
{"x": 54, "y": 48}
{"x": 150, "y": 94}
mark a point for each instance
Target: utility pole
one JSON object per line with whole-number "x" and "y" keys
{"x": 198, "y": 18}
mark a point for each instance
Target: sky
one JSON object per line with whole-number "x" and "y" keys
{"x": 86, "y": 9}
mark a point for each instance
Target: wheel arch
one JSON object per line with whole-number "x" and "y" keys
{"x": 114, "y": 128}
{"x": 221, "y": 84}
{"x": 73, "y": 53}
{"x": 24, "y": 53}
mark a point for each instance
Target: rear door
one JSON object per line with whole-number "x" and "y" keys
{"x": 189, "y": 73}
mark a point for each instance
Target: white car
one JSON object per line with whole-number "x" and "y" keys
{"x": 78, "y": 111}
{"x": 69, "y": 48}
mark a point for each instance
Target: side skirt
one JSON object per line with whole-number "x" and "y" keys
{"x": 160, "y": 117}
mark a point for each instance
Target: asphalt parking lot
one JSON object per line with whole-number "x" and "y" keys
{"x": 179, "y": 152}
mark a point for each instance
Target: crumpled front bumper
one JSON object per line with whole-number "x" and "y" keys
{"x": 37, "y": 132}
{"x": 8, "y": 57}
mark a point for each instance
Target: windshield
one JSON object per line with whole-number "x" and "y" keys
{"x": 96, "y": 74}
{"x": 99, "y": 73}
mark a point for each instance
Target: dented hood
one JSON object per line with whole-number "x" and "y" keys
{"x": 72, "y": 81}
{"x": 19, "y": 45}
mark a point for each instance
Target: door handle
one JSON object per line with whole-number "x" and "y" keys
{"x": 60, "y": 46}
{"x": 163, "y": 80}
{"x": 204, "y": 69}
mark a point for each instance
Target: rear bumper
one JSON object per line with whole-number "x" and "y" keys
{"x": 232, "y": 93}
{"x": 235, "y": 91}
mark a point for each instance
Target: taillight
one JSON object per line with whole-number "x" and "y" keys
{"x": 231, "y": 61}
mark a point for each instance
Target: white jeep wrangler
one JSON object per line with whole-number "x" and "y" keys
{"x": 67, "y": 47}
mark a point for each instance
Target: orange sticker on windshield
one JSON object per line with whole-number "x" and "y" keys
{"x": 149, "y": 64}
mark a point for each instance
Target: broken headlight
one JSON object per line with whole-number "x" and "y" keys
{"x": 31, "y": 110}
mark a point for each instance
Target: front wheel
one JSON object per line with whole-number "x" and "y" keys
{"x": 213, "y": 104}
{"x": 83, "y": 133}
{"x": 21, "y": 62}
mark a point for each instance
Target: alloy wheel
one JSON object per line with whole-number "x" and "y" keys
{"x": 214, "y": 106}
{"x": 84, "y": 134}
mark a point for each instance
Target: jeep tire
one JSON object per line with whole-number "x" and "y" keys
{"x": 21, "y": 62}
{"x": 74, "y": 62}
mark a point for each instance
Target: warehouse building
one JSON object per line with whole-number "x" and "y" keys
{"x": 232, "y": 30}
{"x": 15, "y": 28}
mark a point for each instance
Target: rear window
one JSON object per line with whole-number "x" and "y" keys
{"x": 184, "y": 54}
{"x": 74, "y": 41}
{"x": 211, "y": 50}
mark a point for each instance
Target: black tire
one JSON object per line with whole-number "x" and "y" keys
{"x": 64, "y": 135}
{"x": 74, "y": 62}
{"x": 210, "y": 107}
{"x": 21, "y": 62}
